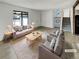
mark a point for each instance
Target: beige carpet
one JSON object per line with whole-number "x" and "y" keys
{"x": 19, "y": 49}
{"x": 7, "y": 52}
{"x": 24, "y": 51}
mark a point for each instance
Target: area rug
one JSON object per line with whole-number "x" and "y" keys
{"x": 7, "y": 52}
{"x": 24, "y": 51}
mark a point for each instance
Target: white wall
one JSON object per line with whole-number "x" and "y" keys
{"x": 6, "y": 15}
{"x": 66, "y": 12}
{"x": 35, "y": 16}
{"x": 47, "y": 18}
{"x": 72, "y": 21}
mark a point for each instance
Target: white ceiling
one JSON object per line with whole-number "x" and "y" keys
{"x": 41, "y": 4}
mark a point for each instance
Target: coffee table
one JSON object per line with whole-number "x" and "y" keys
{"x": 33, "y": 37}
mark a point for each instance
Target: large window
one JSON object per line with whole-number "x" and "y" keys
{"x": 20, "y": 18}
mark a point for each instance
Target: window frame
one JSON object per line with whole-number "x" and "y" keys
{"x": 22, "y": 13}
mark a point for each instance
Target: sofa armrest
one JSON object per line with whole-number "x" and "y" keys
{"x": 14, "y": 35}
{"x": 45, "y": 53}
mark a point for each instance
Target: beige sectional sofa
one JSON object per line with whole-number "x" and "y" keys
{"x": 18, "y": 34}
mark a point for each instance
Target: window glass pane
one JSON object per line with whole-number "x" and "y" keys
{"x": 17, "y": 19}
{"x": 20, "y": 18}
{"x": 25, "y": 21}
{"x": 17, "y": 22}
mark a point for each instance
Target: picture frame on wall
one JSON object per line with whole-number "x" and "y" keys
{"x": 58, "y": 12}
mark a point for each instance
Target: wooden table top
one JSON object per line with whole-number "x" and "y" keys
{"x": 33, "y": 35}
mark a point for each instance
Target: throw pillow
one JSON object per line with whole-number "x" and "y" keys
{"x": 49, "y": 38}
{"x": 52, "y": 43}
{"x": 18, "y": 28}
{"x": 57, "y": 32}
{"x": 47, "y": 45}
{"x": 28, "y": 27}
{"x": 24, "y": 27}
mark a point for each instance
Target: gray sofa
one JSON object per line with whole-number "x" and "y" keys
{"x": 56, "y": 51}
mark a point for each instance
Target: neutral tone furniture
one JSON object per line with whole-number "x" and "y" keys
{"x": 45, "y": 53}
{"x": 54, "y": 53}
{"x": 8, "y": 33}
{"x": 22, "y": 33}
{"x": 34, "y": 36}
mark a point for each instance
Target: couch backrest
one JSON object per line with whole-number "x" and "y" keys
{"x": 58, "y": 49}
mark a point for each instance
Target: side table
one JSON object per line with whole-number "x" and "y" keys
{"x": 8, "y": 36}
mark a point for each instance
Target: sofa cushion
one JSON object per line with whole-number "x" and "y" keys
{"x": 18, "y": 28}
{"x": 49, "y": 38}
{"x": 28, "y": 27}
{"x": 24, "y": 27}
{"x": 47, "y": 45}
{"x": 59, "y": 45}
{"x": 21, "y": 33}
{"x": 50, "y": 45}
{"x": 52, "y": 35}
{"x": 57, "y": 32}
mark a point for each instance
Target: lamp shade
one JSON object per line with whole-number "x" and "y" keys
{"x": 33, "y": 23}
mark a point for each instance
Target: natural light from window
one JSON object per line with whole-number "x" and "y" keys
{"x": 20, "y": 18}
{"x": 25, "y": 21}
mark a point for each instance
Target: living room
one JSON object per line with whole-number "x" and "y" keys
{"x": 39, "y": 29}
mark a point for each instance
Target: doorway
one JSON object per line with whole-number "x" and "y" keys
{"x": 66, "y": 24}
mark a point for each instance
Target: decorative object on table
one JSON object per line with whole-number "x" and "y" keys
{"x": 35, "y": 33}
{"x": 33, "y": 37}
